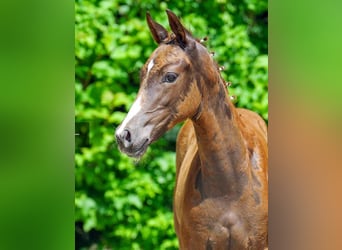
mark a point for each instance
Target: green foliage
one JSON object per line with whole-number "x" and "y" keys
{"x": 122, "y": 204}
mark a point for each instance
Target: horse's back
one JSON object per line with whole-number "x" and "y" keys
{"x": 252, "y": 122}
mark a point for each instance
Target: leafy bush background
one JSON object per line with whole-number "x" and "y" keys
{"x": 120, "y": 203}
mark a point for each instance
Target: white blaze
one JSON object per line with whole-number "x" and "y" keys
{"x": 150, "y": 66}
{"x": 136, "y": 107}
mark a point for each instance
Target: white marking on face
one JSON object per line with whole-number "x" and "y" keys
{"x": 136, "y": 107}
{"x": 150, "y": 65}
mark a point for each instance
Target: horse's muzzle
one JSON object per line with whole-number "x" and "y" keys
{"x": 129, "y": 145}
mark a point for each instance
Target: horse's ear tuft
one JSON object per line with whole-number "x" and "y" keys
{"x": 159, "y": 33}
{"x": 177, "y": 28}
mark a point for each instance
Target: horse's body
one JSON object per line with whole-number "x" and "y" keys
{"x": 221, "y": 220}
{"x": 221, "y": 194}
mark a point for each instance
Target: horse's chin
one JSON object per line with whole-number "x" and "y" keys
{"x": 139, "y": 153}
{"x": 136, "y": 152}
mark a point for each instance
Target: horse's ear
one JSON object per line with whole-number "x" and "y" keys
{"x": 159, "y": 33}
{"x": 177, "y": 28}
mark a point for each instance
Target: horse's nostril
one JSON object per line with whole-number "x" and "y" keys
{"x": 124, "y": 138}
{"x": 126, "y": 135}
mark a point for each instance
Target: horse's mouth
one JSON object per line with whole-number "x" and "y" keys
{"x": 136, "y": 152}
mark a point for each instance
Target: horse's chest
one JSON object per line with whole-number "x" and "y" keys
{"x": 213, "y": 224}
{"x": 206, "y": 224}
{"x": 195, "y": 225}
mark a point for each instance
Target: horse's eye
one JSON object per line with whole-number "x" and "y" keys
{"x": 170, "y": 77}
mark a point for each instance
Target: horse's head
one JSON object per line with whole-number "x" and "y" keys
{"x": 170, "y": 90}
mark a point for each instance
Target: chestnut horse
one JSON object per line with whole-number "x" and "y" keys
{"x": 221, "y": 192}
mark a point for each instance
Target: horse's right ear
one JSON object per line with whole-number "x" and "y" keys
{"x": 177, "y": 28}
{"x": 159, "y": 33}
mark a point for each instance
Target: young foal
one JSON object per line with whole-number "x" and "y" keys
{"x": 221, "y": 194}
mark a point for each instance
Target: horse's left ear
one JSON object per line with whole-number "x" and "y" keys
{"x": 177, "y": 28}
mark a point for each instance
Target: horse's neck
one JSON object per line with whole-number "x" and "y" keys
{"x": 221, "y": 148}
